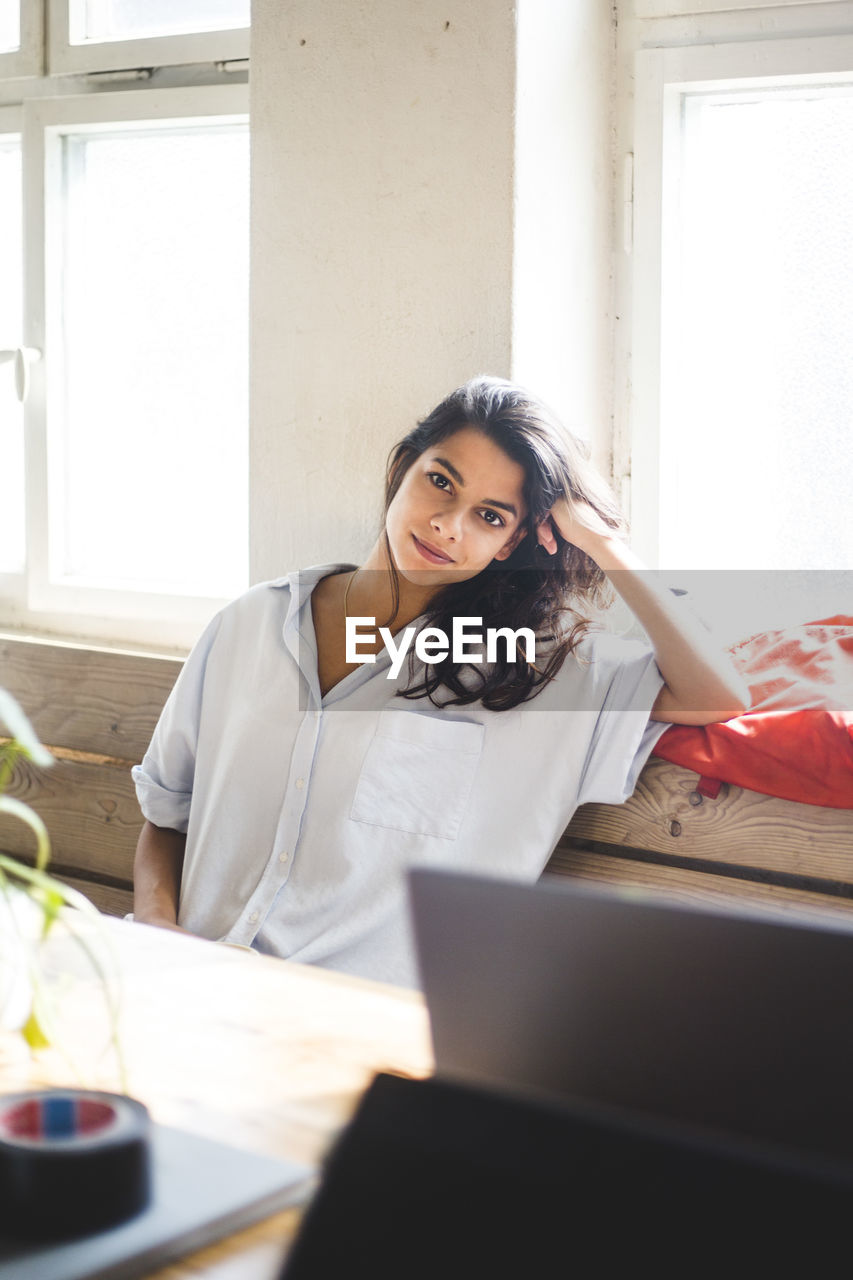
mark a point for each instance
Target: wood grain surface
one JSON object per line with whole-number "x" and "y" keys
{"x": 99, "y": 701}
{"x": 667, "y": 815}
{"x": 267, "y": 1055}
{"x": 91, "y": 813}
{"x": 95, "y": 709}
{"x": 695, "y": 887}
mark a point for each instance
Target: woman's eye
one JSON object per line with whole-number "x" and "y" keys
{"x": 492, "y": 518}
{"x": 440, "y": 481}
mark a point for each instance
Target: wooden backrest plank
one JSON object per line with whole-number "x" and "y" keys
{"x": 96, "y": 701}
{"x": 666, "y": 815}
{"x": 91, "y": 813}
{"x": 698, "y": 887}
{"x": 112, "y": 901}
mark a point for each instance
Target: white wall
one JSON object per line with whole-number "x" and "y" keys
{"x": 382, "y": 247}
{"x": 564, "y": 201}
{"x": 739, "y": 32}
{"x": 385, "y": 254}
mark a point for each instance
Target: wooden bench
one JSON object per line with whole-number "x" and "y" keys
{"x": 738, "y": 845}
{"x": 96, "y": 710}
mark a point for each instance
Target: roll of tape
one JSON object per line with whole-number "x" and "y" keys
{"x": 72, "y": 1161}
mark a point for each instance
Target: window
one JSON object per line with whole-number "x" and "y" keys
{"x": 743, "y": 320}
{"x": 12, "y": 545}
{"x": 758, "y": 327}
{"x": 10, "y": 29}
{"x": 102, "y": 35}
{"x": 96, "y": 21}
{"x": 124, "y": 353}
{"x": 21, "y": 38}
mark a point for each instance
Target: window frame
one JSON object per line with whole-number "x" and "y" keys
{"x": 696, "y": 8}
{"x": 663, "y": 79}
{"x": 28, "y": 59}
{"x": 168, "y": 621}
{"x": 64, "y": 58}
{"x": 12, "y": 585}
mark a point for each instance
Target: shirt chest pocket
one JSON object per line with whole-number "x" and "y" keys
{"x": 418, "y": 774}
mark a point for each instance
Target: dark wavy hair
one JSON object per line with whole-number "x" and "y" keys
{"x": 551, "y": 594}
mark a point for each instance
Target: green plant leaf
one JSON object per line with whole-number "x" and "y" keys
{"x": 20, "y": 729}
{"x": 33, "y": 1033}
{"x": 51, "y": 902}
{"x": 51, "y": 899}
{"x": 17, "y": 809}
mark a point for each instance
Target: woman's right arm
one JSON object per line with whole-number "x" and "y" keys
{"x": 157, "y": 868}
{"x": 164, "y": 784}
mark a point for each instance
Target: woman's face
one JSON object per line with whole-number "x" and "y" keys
{"x": 458, "y": 508}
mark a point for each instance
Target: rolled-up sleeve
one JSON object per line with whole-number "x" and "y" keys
{"x": 624, "y": 736}
{"x": 164, "y": 779}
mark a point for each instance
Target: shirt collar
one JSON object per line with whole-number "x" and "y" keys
{"x": 300, "y": 584}
{"x": 303, "y": 581}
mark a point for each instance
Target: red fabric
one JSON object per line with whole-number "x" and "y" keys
{"x": 796, "y": 740}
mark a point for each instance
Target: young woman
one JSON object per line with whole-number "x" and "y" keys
{"x": 326, "y": 732}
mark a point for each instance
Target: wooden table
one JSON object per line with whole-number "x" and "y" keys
{"x": 261, "y": 1053}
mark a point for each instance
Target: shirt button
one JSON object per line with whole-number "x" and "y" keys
{"x": 282, "y": 857}
{"x": 253, "y": 917}
{"x": 300, "y": 782}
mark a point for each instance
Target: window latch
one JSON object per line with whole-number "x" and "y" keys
{"x": 22, "y": 357}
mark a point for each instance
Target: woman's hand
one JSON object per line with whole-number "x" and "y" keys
{"x": 702, "y": 684}
{"x": 576, "y": 522}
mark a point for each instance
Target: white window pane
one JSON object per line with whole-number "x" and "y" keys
{"x": 150, "y": 490}
{"x": 99, "y": 20}
{"x": 10, "y": 26}
{"x": 758, "y": 305}
{"x": 11, "y": 414}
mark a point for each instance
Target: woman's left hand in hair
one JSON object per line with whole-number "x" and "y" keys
{"x": 702, "y": 684}
{"x": 576, "y": 522}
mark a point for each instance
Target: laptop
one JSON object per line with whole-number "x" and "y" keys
{"x": 435, "y": 1179}
{"x": 619, "y": 1081}
{"x": 735, "y": 1021}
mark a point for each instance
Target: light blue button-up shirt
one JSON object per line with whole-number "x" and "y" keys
{"x": 303, "y": 812}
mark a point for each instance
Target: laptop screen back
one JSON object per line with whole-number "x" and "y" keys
{"x": 732, "y": 1019}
